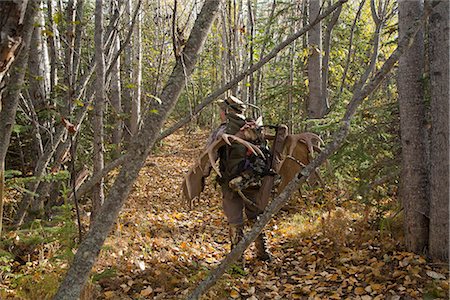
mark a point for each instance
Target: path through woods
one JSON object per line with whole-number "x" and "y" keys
{"x": 323, "y": 248}
{"x": 160, "y": 249}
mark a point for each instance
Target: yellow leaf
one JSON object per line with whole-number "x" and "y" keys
{"x": 376, "y": 287}
{"x": 184, "y": 245}
{"x": 335, "y": 296}
{"x": 234, "y": 294}
{"x": 109, "y": 294}
{"x": 359, "y": 291}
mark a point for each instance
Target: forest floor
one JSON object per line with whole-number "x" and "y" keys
{"x": 160, "y": 249}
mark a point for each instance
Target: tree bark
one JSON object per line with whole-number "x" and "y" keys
{"x": 9, "y": 109}
{"x": 137, "y": 75}
{"x": 317, "y": 107}
{"x": 127, "y": 79}
{"x": 439, "y": 152}
{"x": 38, "y": 69}
{"x": 116, "y": 101}
{"x": 11, "y": 19}
{"x": 139, "y": 149}
{"x": 98, "y": 196}
{"x": 413, "y": 179}
{"x": 326, "y": 55}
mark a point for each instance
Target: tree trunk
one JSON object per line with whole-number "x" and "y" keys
{"x": 8, "y": 112}
{"x": 251, "y": 37}
{"x": 350, "y": 45}
{"x": 137, "y": 75}
{"x": 53, "y": 46}
{"x": 326, "y": 55}
{"x": 116, "y": 102}
{"x": 413, "y": 179}
{"x": 97, "y": 124}
{"x": 317, "y": 107}
{"x": 439, "y": 152}
{"x": 89, "y": 249}
{"x": 11, "y": 19}
{"x": 38, "y": 68}
{"x": 127, "y": 79}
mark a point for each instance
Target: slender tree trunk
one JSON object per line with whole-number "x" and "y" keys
{"x": 350, "y": 45}
{"x": 38, "y": 71}
{"x": 413, "y": 185}
{"x": 116, "y": 102}
{"x": 267, "y": 32}
{"x": 316, "y": 105}
{"x": 97, "y": 124}
{"x": 53, "y": 52}
{"x": 69, "y": 34}
{"x": 11, "y": 18}
{"x": 79, "y": 31}
{"x": 439, "y": 152}
{"x": 89, "y": 249}
{"x": 8, "y": 111}
{"x": 137, "y": 75}
{"x": 326, "y": 55}
{"x": 251, "y": 37}
{"x": 127, "y": 79}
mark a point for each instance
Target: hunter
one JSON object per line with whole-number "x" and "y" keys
{"x": 232, "y": 163}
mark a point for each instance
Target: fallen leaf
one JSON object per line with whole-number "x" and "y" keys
{"x": 109, "y": 294}
{"x": 435, "y": 275}
{"x": 234, "y": 294}
{"x": 147, "y": 291}
{"x": 359, "y": 291}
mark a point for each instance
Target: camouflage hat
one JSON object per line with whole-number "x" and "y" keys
{"x": 234, "y": 103}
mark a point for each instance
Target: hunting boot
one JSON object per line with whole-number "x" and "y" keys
{"x": 236, "y": 235}
{"x": 261, "y": 248}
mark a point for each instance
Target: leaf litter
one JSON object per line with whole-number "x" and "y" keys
{"x": 160, "y": 249}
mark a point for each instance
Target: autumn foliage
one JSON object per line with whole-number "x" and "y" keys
{"x": 325, "y": 245}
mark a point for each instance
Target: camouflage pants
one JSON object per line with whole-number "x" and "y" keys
{"x": 234, "y": 206}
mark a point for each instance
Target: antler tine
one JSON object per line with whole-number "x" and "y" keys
{"x": 212, "y": 160}
{"x": 311, "y": 140}
{"x": 255, "y": 150}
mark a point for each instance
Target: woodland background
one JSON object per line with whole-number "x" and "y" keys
{"x": 106, "y": 104}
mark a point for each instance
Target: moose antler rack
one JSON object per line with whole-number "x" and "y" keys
{"x": 290, "y": 152}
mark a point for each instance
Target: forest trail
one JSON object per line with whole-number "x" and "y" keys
{"x": 161, "y": 250}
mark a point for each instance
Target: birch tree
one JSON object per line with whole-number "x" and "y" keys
{"x": 137, "y": 74}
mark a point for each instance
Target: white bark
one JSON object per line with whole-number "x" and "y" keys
{"x": 137, "y": 75}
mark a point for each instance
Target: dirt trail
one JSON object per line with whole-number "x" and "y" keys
{"x": 161, "y": 250}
